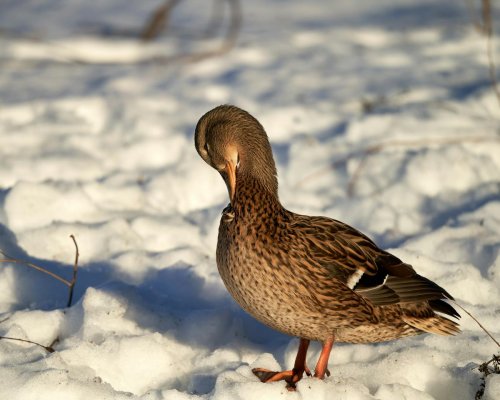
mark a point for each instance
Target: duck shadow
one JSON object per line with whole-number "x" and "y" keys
{"x": 206, "y": 319}
{"x": 174, "y": 291}
{"x": 192, "y": 300}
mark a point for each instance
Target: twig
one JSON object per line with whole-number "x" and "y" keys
{"x": 216, "y": 13}
{"x": 477, "y": 322}
{"x": 48, "y": 348}
{"x": 485, "y": 369}
{"x": 153, "y": 28}
{"x": 370, "y": 150}
{"x": 13, "y": 260}
{"x": 158, "y": 21}
{"x": 472, "y": 11}
{"x": 488, "y": 31}
{"x": 69, "y": 284}
{"x": 75, "y": 272}
{"x": 227, "y": 44}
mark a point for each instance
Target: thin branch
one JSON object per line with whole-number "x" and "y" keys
{"x": 158, "y": 21}
{"x": 228, "y": 42}
{"x": 54, "y": 342}
{"x": 488, "y": 31}
{"x": 472, "y": 15}
{"x": 485, "y": 369}
{"x": 48, "y": 348}
{"x": 495, "y": 360}
{"x": 215, "y": 17}
{"x": 70, "y": 284}
{"x": 75, "y": 272}
{"x": 13, "y": 260}
{"x": 477, "y": 322}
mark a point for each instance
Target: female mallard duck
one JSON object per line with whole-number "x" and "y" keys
{"x": 311, "y": 277}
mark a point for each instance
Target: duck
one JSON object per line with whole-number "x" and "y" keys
{"x": 311, "y": 277}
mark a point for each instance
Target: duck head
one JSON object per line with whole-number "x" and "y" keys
{"x": 234, "y": 143}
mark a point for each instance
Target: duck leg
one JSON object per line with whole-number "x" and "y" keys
{"x": 291, "y": 376}
{"x": 321, "y": 367}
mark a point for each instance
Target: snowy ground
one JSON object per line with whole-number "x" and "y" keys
{"x": 104, "y": 150}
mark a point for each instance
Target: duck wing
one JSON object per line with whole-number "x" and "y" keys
{"x": 374, "y": 274}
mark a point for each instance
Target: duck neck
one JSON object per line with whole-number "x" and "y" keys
{"x": 253, "y": 192}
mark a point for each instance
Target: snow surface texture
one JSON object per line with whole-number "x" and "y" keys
{"x": 105, "y": 152}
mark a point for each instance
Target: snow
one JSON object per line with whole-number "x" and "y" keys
{"x": 97, "y": 144}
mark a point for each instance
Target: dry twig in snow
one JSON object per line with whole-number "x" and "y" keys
{"x": 159, "y": 21}
{"x": 70, "y": 284}
{"x": 488, "y": 31}
{"x": 48, "y": 348}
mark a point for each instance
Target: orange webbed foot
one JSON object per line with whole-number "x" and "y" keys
{"x": 291, "y": 377}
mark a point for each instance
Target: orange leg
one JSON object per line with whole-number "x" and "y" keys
{"x": 290, "y": 376}
{"x": 321, "y": 366}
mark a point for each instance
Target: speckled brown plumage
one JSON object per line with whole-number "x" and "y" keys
{"x": 311, "y": 277}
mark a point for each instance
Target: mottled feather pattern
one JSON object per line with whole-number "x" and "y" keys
{"x": 312, "y": 277}
{"x": 290, "y": 271}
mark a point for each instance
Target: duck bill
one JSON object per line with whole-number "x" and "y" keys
{"x": 231, "y": 180}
